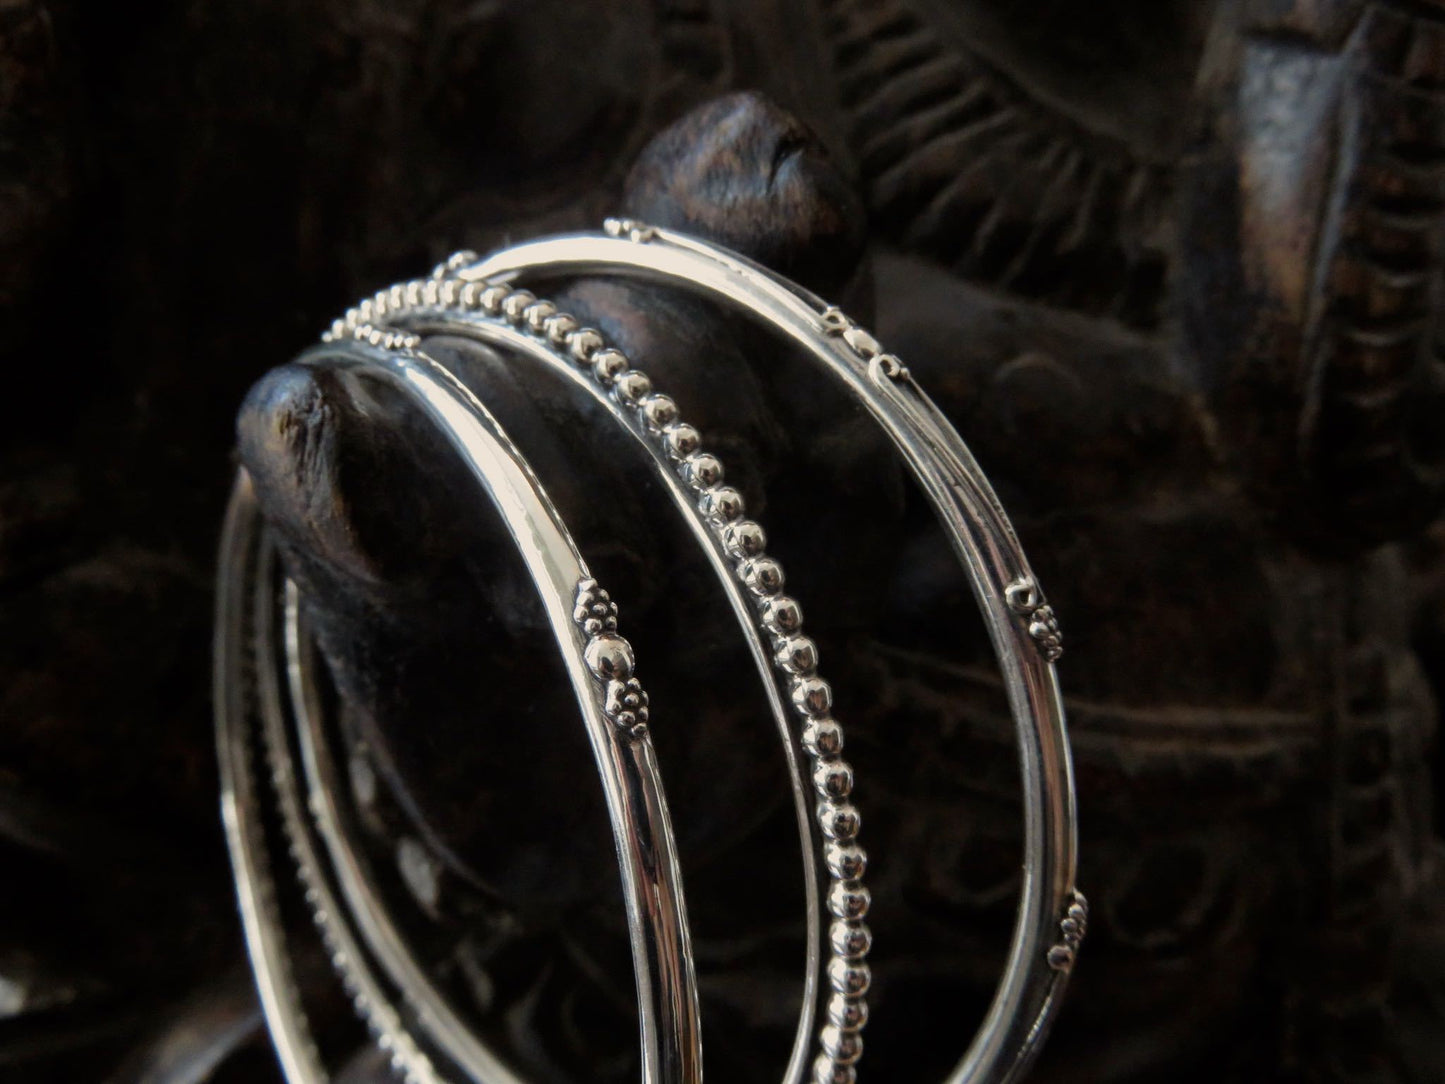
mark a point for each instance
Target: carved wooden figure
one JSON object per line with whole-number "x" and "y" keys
{"x": 1171, "y": 266}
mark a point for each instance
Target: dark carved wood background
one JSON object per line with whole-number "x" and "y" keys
{"x": 1172, "y": 266}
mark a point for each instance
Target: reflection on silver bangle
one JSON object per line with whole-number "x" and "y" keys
{"x": 600, "y": 666}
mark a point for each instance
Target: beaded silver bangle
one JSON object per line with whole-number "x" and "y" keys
{"x": 483, "y": 299}
{"x": 600, "y": 666}
{"x": 837, "y": 974}
{"x": 1025, "y": 633}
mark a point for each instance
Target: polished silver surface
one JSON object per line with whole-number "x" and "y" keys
{"x": 837, "y": 976}
{"x": 233, "y": 708}
{"x": 1023, "y": 628}
{"x": 599, "y": 664}
{"x": 274, "y": 650}
{"x": 487, "y": 300}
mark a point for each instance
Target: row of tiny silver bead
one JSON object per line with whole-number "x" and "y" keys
{"x": 795, "y": 655}
{"x": 403, "y": 1054}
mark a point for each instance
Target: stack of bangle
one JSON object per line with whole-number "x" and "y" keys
{"x": 487, "y": 300}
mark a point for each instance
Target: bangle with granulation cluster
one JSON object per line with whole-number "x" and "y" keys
{"x": 486, "y": 300}
{"x": 837, "y": 975}
{"x": 255, "y": 641}
{"x": 1023, "y": 628}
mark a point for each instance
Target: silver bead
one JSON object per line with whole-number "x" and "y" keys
{"x": 782, "y": 615}
{"x": 886, "y": 367}
{"x": 844, "y": 1047}
{"x": 846, "y": 861}
{"x": 516, "y": 303}
{"x": 763, "y": 575}
{"x": 631, "y": 387}
{"x": 850, "y": 938}
{"x": 454, "y": 263}
{"x": 848, "y": 901}
{"x": 833, "y": 779}
{"x": 823, "y": 739}
{"x": 744, "y": 538}
{"x": 724, "y": 504}
{"x": 702, "y": 471}
{"x": 659, "y": 411}
{"x": 470, "y": 296}
{"x": 828, "y": 1071}
{"x": 797, "y": 655}
{"x": 608, "y": 365}
{"x": 537, "y": 314}
{"x": 558, "y": 327}
{"x": 583, "y": 344}
{"x": 631, "y": 228}
{"x": 834, "y": 320}
{"x": 609, "y": 657}
{"x": 847, "y": 1013}
{"x": 812, "y": 695}
{"x": 1023, "y": 595}
{"x": 847, "y": 977}
{"x": 839, "y": 820}
{"x": 681, "y": 440}
{"x": 863, "y": 344}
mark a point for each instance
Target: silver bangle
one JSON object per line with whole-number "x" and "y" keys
{"x": 1052, "y": 914}
{"x": 481, "y": 299}
{"x": 837, "y": 974}
{"x": 599, "y": 664}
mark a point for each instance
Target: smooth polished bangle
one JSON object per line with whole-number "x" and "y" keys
{"x": 1052, "y": 913}
{"x": 837, "y": 976}
{"x": 599, "y": 662}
